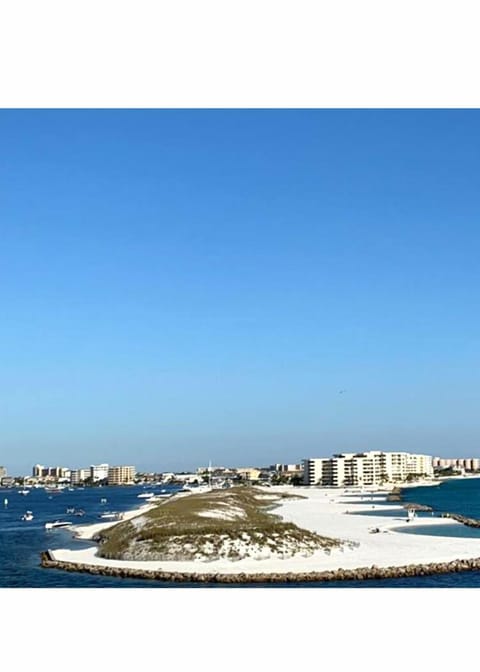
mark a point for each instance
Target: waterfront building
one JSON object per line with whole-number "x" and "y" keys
{"x": 457, "y": 463}
{"x": 288, "y": 469}
{"x": 121, "y": 475}
{"x": 3, "y": 472}
{"x": 78, "y": 476}
{"x": 37, "y": 471}
{"x": 248, "y": 473}
{"x": 368, "y": 468}
{"x": 98, "y": 472}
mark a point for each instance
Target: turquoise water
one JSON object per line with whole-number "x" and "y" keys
{"x": 22, "y": 542}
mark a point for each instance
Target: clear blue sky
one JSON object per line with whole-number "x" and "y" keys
{"x": 180, "y": 286}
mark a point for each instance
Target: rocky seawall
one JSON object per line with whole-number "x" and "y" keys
{"x": 360, "y": 574}
{"x": 469, "y": 522}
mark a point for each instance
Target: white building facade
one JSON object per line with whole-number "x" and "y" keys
{"x": 369, "y": 468}
{"x": 98, "y": 472}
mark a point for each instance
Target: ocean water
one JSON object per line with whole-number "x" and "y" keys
{"x": 22, "y": 542}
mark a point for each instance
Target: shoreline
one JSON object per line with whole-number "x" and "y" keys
{"x": 324, "y": 511}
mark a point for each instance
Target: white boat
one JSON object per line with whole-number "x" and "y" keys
{"x": 146, "y": 495}
{"x": 5, "y": 502}
{"x": 57, "y": 523}
{"x": 111, "y": 515}
{"x": 103, "y": 500}
{"x": 23, "y": 492}
{"x": 197, "y": 489}
{"x": 28, "y": 515}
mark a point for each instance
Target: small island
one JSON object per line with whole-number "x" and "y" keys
{"x": 248, "y": 534}
{"x": 232, "y": 524}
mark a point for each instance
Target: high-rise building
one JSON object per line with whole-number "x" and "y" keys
{"x": 79, "y": 475}
{"x": 3, "y": 472}
{"x": 37, "y": 471}
{"x": 459, "y": 463}
{"x": 121, "y": 475}
{"x": 369, "y": 468}
{"x": 98, "y": 472}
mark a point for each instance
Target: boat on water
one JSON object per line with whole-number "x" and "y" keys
{"x": 103, "y": 500}
{"x": 23, "y": 492}
{"x": 111, "y": 515}
{"x": 70, "y": 509}
{"x": 5, "y": 502}
{"x": 146, "y": 495}
{"x": 196, "y": 489}
{"x": 57, "y": 523}
{"x": 28, "y": 515}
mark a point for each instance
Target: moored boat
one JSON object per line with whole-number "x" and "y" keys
{"x": 111, "y": 515}
{"x": 57, "y": 523}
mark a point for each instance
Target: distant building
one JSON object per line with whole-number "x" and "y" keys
{"x": 79, "y": 475}
{"x": 457, "y": 463}
{"x": 121, "y": 475}
{"x": 98, "y": 472}
{"x": 186, "y": 478}
{"x": 249, "y": 473}
{"x": 39, "y": 471}
{"x": 369, "y": 468}
{"x": 7, "y": 481}
{"x": 287, "y": 470}
{"x": 3, "y": 472}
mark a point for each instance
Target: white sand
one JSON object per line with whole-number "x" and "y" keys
{"x": 89, "y": 531}
{"x": 322, "y": 511}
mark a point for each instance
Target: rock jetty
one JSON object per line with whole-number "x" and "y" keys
{"x": 469, "y": 522}
{"x": 360, "y": 574}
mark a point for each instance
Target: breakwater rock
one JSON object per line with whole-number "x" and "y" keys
{"x": 360, "y": 574}
{"x": 417, "y": 507}
{"x": 469, "y": 522}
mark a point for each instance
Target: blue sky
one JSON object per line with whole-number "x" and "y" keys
{"x": 180, "y": 286}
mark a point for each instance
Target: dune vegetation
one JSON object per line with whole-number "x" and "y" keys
{"x": 232, "y": 524}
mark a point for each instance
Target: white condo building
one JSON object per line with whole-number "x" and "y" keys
{"x": 370, "y": 468}
{"x": 79, "y": 475}
{"x": 98, "y": 472}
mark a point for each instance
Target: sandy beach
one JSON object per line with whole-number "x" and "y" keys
{"x": 323, "y": 511}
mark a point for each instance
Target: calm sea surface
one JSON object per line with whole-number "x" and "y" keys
{"x": 22, "y": 542}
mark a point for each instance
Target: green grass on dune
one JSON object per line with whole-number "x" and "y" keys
{"x": 178, "y": 529}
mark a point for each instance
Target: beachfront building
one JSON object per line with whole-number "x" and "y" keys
{"x": 78, "y": 476}
{"x": 39, "y": 471}
{"x": 368, "y": 468}
{"x": 98, "y": 472}
{"x": 121, "y": 475}
{"x": 457, "y": 463}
